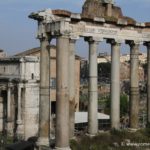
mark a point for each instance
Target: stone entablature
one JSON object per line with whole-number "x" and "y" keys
{"x": 97, "y": 27}
{"x": 21, "y": 68}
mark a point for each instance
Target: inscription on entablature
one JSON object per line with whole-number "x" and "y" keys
{"x": 101, "y": 31}
{"x": 93, "y": 30}
{"x": 146, "y": 35}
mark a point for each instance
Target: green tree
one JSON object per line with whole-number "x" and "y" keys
{"x": 124, "y": 105}
{"x": 104, "y": 70}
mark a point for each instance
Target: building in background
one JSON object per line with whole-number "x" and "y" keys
{"x": 2, "y": 54}
{"x": 19, "y": 91}
{"x": 19, "y": 96}
{"x": 36, "y": 52}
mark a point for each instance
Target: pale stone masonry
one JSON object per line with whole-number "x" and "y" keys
{"x": 99, "y": 19}
{"x": 19, "y": 92}
{"x": 19, "y": 89}
{"x": 36, "y": 52}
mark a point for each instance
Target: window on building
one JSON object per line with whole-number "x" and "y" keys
{"x": 53, "y": 83}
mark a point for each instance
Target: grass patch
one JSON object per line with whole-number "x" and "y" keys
{"x": 111, "y": 140}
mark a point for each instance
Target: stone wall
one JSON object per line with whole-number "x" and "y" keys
{"x": 31, "y": 110}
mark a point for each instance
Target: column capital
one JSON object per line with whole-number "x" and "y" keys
{"x": 115, "y": 41}
{"x": 9, "y": 85}
{"x": 147, "y": 44}
{"x": 65, "y": 36}
{"x": 133, "y": 43}
{"x": 45, "y": 38}
{"x": 74, "y": 38}
{"x": 93, "y": 39}
{"x": 41, "y": 34}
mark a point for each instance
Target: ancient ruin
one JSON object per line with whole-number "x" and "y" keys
{"x": 19, "y": 93}
{"x": 99, "y": 20}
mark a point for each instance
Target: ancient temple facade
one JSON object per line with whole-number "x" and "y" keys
{"x": 99, "y": 20}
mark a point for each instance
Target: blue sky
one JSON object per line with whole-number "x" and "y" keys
{"x": 17, "y": 31}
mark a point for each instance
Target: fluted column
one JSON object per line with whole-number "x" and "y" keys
{"x": 44, "y": 104}
{"x": 134, "y": 84}
{"x": 115, "y": 84}
{"x": 92, "y": 89}
{"x": 147, "y": 44}
{"x": 62, "y": 93}
{"x": 72, "y": 87}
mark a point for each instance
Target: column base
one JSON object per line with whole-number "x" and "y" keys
{"x": 43, "y": 148}
{"x": 1, "y": 124}
{"x": 64, "y": 148}
{"x": 73, "y": 138}
{"x": 115, "y": 127}
{"x": 43, "y": 142}
{"x": 91, "y": 135}
{"x": 132, "y": 129}
{"x": 20, "y": 132}
{"x": 10, "y": 130}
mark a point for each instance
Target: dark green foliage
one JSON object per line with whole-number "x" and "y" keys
{"x": 104, "y": 70}
{"x": 124, "y": 105}
{"x": 105, "y": 141}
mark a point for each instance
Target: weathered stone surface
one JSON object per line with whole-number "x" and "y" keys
{"x": 60, "y": 12}
{"x": 96, "y": 8}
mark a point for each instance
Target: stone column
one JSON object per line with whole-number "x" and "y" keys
{"x": 148, "y": 81}
{"x": 9, "y": 119}
{"x": 62, "y": 93}
{"x": 19, "y": 115}
{"x": 1, "y": 112}
{"x": 72, "y": 87}
{"x": 44, "y": 104}
{"x": 92, "y": 89}
{"x": 115, "y": 84}
{"x": 134, "y": 84}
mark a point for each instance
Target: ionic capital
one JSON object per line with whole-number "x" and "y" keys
{"x": 136, "y": 43}
{"x": 65, "y": 36}
{"x": 115, "y": 41}
{"x": 147, "y": 44}
{"x": 73, "y": 38}
{"x": 9, "y": 85}
{"x": 41, "y": 34}
{"x": 94, "y": 39}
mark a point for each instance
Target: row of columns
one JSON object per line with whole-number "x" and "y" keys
{"x": 10, "y": 115}
{"x": 65, "y": 97}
